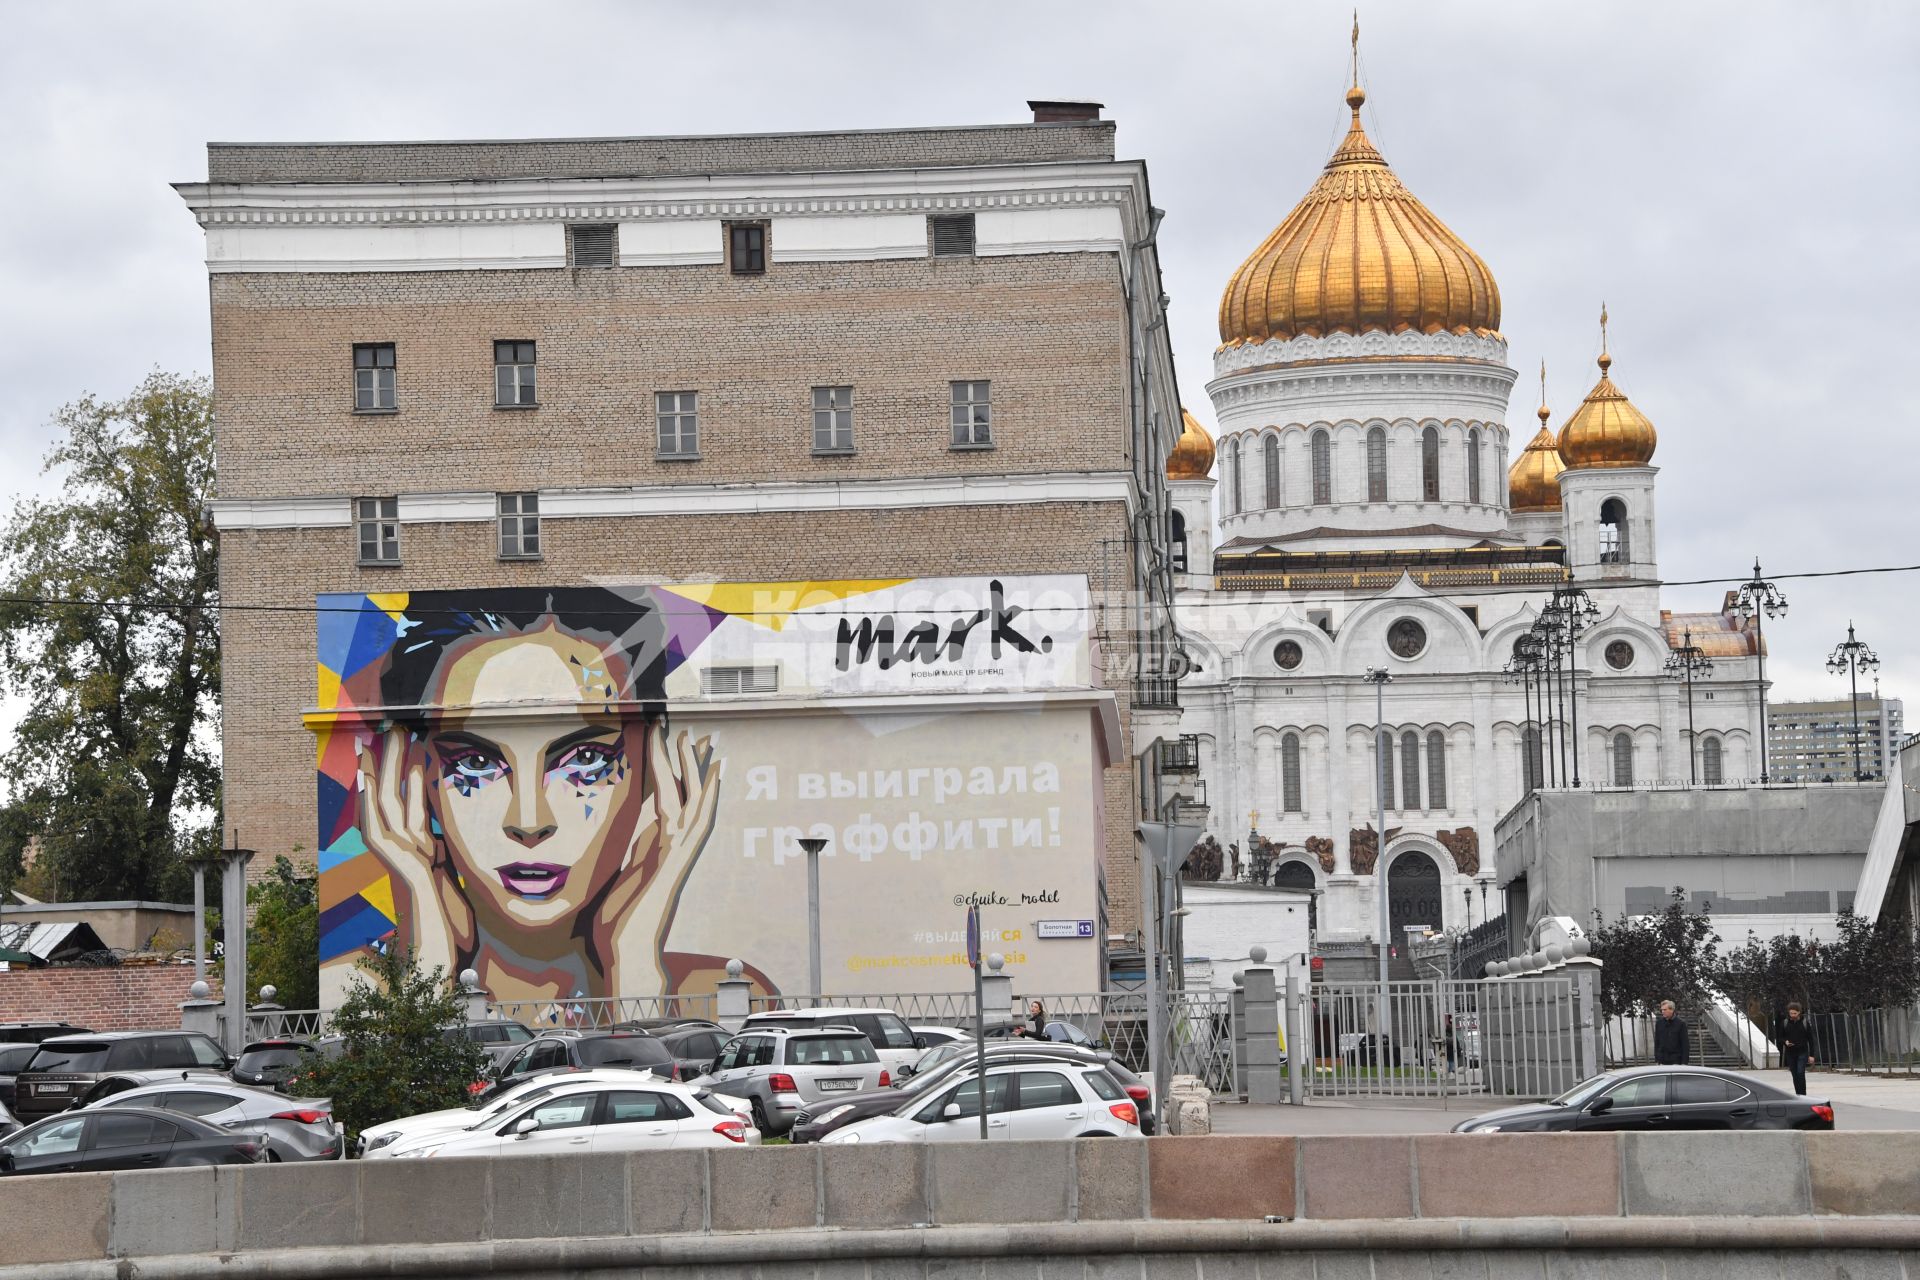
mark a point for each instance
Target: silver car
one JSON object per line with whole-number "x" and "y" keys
{"x": 781, "y": 1070}
{"x": 289, "y": 1128}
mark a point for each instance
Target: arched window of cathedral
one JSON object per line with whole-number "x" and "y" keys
{"x": 1436, "y": 770}
{"x": 1377, "y": 465}
{"x": 1410, "y": 770}
{"x": 1273, "y": 471}
{"x": 1383, "y": 761}
{"x": 1473, "y": 465}
{"x": 1430, "y": 464}
{"x": 1233, "y": 476}
{"x": 1622, "y": 759}
{"x": 1613, "y": 532}
{"x": 1532, "y": 767}
{"x": 1177, "y": 536}
{"x": 1322, "y": 468}
{"x": 1290, "y": 773}
{"x": 1710, "y": 766}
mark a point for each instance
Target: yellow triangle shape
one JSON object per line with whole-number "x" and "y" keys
{"x": 379, "y": 896}
{"x": 392, "y": 603}
{"x": 768, "y": 604}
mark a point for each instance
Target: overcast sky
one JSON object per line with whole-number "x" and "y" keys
{"x": 1736, "y": 180}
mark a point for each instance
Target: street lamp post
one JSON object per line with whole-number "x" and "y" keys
{"x": 1852, "y": 656}
{"x": 1546, "y": 629}
{"x": 1684, "y": 663}
{"x": 1520, "y": 670}
{"x": 1755, "y": 598}
{"x": 1466, "y": 893}
{"x": 1380, "y": 678}
{"x": 1577, "y": 612}
{"x": 813, "y": 845}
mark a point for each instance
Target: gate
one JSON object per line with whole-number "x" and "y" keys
{"x": 1509, "y": 1038}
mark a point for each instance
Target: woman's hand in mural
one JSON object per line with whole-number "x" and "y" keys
{"x": 394, "y": 824}
{"x": 639, "y": 907}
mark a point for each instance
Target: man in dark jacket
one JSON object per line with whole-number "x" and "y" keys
{"x": 1669, "y": 1037}
{"x": 1795, "y": 1038}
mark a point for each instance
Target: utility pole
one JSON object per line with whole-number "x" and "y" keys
{"x": 1379, "y": 678}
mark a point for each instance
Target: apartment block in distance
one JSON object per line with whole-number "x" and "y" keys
{"x": 1814, "y": 741}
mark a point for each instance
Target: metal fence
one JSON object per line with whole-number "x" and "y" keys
{"x": 1514, "y": 1038}
{"x": 602, "y": 1013}
{"x": 278, "y": 1024}
{"x": 1877, "y": 1041}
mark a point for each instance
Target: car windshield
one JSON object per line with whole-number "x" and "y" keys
{"x": 71, "y": 1055}
{"x": 835, "y": 1051}
{"x": 270, "y": 1059}
{"x": 1580, "y": 1093}
{"x": 623, "y": 1050}
{"x": 13, "y": 1057}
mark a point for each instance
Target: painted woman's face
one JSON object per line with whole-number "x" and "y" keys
{"x": 538, "y": 813}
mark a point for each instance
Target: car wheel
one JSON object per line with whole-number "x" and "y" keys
{"x": 760, "y": 1119}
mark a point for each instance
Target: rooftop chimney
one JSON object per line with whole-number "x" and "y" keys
{"x": 1055, "y": 111}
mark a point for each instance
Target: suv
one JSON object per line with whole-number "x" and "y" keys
{"x": 13, "y": 1060}
{"x": 571, "y": 1051}
{"x": 893, "y": 1040}
{"x": 497, "y": 1039}
{"x": 270, "y": 1063}
{"x": 63, "y": 1068}
{"x": 815, "y": 1123}
{"x": 781, "y": 1070}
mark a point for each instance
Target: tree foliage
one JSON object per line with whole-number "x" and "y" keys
{"x": 1874, "y": 964}
{"x": 1673, "y": 955}
{"x": 396, "y": 1059}
{"x": 115, "y": 744}
{"x": 283, "y": 946}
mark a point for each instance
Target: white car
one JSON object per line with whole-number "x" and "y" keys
{"x": 934, "y": 1037}
{"x": 395, "y": 1137}
{"x": 891, "y": 1036}
{"x": 1025, "y": 1101}
{"x": 599, "y": 1116}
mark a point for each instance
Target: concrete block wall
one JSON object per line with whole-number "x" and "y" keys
{"x": 905, "y": 1204}
{"x": 128, "y": 998}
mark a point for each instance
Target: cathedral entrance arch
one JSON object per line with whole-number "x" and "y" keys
{"x": 1295, "y": 874}
{"x": 1413, "y": 894}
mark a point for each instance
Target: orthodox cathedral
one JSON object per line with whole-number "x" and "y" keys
{"x": 1357, "y": 554}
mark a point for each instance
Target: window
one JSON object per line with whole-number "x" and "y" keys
{"x": 638, "y": 1107}
{"x": 1410, "y": 770}
{"x": 55, "y": 1140}
{"x": 1430, "y": 464}
{"x": 195, "y": 1102}
{"x": 747, "y": 248}
{"x": 1177, "y": 537}
{"x": 1436, "y": 770}
{"x": 972, "y": 415}
{"x": 512, "y": 375}
{"x": 1272, "y": 451}
{"x": 1322, "y": 468}
{"x": 679, "y": 417}
{"x": 833, "y": 419}
{"x": 1377, "y": 465}
{"x": 759, "y": 1052}
{"x": 205, "y": 1053}
{"x": 886, "y": 1030}
{"x": 591, "y": 246}
{"x": 1622, "y": 760}
{"x": 1046, "y": 1089}
{"x": 373, "y": 373}
{"x": 829, "y": 1050}
{"x": 1290, "y": 773}
{"x": 1641, "y": 1091}
{"x": 1473, "y": 465}
{"x": 1233, "y": 476}
{"x": 519, "y": 526}
{"x": 1613, "y": 532}
{"x": 1532, "y": 766}
{"x": 952, "y": 235}
{"x": 110, "y": 1130}
{"x": 967, "y": 1095}
{"x": 379, "y": 523}
{"x": 1710, "y": 762}
{"x": 1685, "y": 1090}
{"x": 1383, "y": 751}
{"x": 573, "y": 1112}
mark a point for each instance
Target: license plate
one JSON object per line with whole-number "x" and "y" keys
{"x": 830, "y": 1086}
{"x": 50, "y": 1088}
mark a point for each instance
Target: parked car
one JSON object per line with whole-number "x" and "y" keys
{"x": 891, "y": 1037}
{"x": 694, "y": 1047}
{"x": 117, "y": 1082}
{"x": 35, "y": 1032}
{"x": 1025, "y": 1100}
{"x": 597, "y": 1116}
{"x": 13, "y": 1060}
{"x": 66, "y": 1067}
{"x": 130, "y": 1138}
{"x": 1057, "y": 1031}
{"x": 780, "y": 1070}
{"x": 1663, "y": 1100}
{"x": 660, "y": 1026}
{"x": 934, "y": 1037}
{"x": 288, "y": 1128}
{"x": 497, "y": 1039}
{"x": 7, "y": 1123}
{"x": 271, "y": 1062}
{"x": 572, "y": 1051}
{"x": 815, "y": 1122}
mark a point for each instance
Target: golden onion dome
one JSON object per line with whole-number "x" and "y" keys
{"x": 1533, "y": 482}
{"x": 1192, "y": 455}
{"x": 1359, "y": 253}
{"x": 1606, "y": 430}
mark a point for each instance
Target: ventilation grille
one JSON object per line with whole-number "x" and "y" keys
{"x": 591, "y": 246}
{"x": 952, "y": 235}
{"x": 715, "y": 680}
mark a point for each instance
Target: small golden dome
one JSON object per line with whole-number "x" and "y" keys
{"x": 1359, "y": 253}
{"x": 1192, "y": 455}
{"x": 1533, "y": 482}
{"x": 1606, "y": 430}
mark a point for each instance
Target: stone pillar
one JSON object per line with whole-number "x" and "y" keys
{"x": 733, "y": 997}
{"x": 233, "y": 922}
{"x": 996, "y": 991}
{"x": 200, "y": 1011}
{"x": 1588, "y": 1046}
{"x": 474, "y": 999}
{"x": 1263, "y": 1032}
{"x": 1299, "y": 1051}
{"x": 1240, "y": 1034}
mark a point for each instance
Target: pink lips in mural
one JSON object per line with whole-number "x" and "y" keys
{"x": 533, "y": 879}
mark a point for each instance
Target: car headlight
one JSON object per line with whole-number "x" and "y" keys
{"x": 1488, "y": 1128}
{"x": 384, "y": 1140}
{"x": 415, "y": 1153}
{"x": 848, "y": 1136}
{"x": 834, "y": 1114}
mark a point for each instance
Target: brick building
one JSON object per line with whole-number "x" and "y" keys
{"x": 892, "y": 354}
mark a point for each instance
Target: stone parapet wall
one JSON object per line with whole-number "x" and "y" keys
{"x": 1553, "y": 1194}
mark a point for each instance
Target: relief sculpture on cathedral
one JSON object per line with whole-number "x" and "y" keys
{"x": 1363, "y": 848}
{"x": 1464, "y": 845}
{"x": 1321, "y": 847}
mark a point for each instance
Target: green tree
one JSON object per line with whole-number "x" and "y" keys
{"x": 1671, "y": 955}
{"x": 283, "y": 946}
{"x": 109, "y": 636}
{"x": 396, "y": 1058}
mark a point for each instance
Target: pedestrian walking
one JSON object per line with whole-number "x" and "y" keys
{"x": 1669, "y": 1037}
{"x": 1795, "y": 1038}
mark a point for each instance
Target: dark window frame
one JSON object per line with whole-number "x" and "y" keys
{"x": 682, "y": 410}
{"x": 746, "y": 248}
{"x": 976, "y": 402}
{"x": 384, "y": 521}
{"x": 522, "y": 363}
{"x": 835, "y": 415}
{"x": 517, "y": 521}
{"x": 370, "y": 403}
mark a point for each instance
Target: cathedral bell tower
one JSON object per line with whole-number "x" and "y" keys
{"x": 1606, "y": 490}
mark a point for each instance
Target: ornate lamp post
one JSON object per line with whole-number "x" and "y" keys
{"x": 1576, "y": 612}
{"x": 1852, "y": 656}
{"x": 1466, "y": 895}
{"x": 1756, "y": 598}
{"x": 1685, "y": 663}
{"x": 1380, "y": 678}
{"x": 1522, "y": 669}
{"x": 1546, "y": 634}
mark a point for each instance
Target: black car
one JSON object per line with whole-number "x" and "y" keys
{"x": 569, "y": 1051}
{"x": 694, "y": 1046}
{"x": 497, "y": 1039}
{"x": 66, "y": 1067}
{"x": 1660, "y": 1100}
{"x": 270, "y": 1062}
{"x": 124, "y": 1138}
{"x": 13, "y": 1060}
{"x": 35, "y": 1032}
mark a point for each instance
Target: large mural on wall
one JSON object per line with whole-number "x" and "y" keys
{"x": 593, "y": 791}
